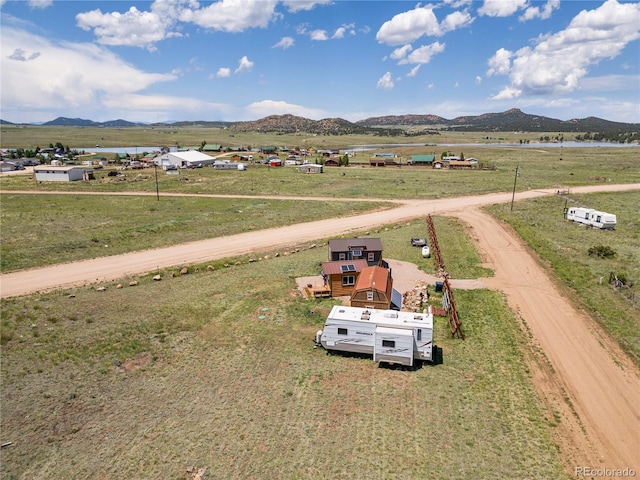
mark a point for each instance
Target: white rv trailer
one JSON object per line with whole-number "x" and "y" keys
{"x": 389, "y": 335}
{"x": 591, "y": 217}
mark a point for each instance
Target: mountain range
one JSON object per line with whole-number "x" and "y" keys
{"x": 511, "y": 120}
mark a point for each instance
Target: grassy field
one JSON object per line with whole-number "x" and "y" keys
{"x": 554, "y": 167}
{"x": 565, "y": 246}
{"x": 39, "y": 230}
{"x": 21, "y": 136}
{"x": 217, "y": 369}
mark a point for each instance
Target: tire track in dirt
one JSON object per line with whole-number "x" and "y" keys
{"x": 581, "y": 373}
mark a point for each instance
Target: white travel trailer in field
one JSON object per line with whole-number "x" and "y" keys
{"x": 389, "y": 335}
{"x": 591, "y": 217}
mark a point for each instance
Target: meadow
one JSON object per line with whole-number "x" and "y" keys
{"x": 217, "y": 368}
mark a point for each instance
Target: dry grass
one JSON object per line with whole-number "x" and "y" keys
{"x": 147, "y": 381}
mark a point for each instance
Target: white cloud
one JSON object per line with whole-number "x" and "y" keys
{"x": 297, "y": 5}
{"x": 284, "y": 43}
{"x": 478, "y": 80}
{"x": 385, "y": 82}
{"x": 544, "y": 13}
{"x": 223, "y": 72}
{"x": 274, "y": 107}
{"x": 231, "y": 15}
{"x": 456, "y": 20}
{"x": 133, "y": 28}
{"x": 93, "y": 76}
{"x": 414, "y": 71}
{"x": 40, "y": 3}
{"x": 423, "y": 54}
{"x": 319, "y": 35}
{"x": 244, "y": 65}
{"x": 408, "y": 26}
{"x": 501, "y": 8}
{"x": 500, "y": 63}
{"x": 558, "y": 62}
{"x": 340, "y": 31}
{"x": 401, "y": 52}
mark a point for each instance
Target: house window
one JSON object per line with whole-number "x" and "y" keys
{"x": 369, "y": 296}
{"x": 371, "y": 257}
{"x": 389, "y": 343}
{"x": 342, "y": 331}
{"x": 348, "y": 280}
{"x": 342, "y": 256}
{"x": 356, "y": 252}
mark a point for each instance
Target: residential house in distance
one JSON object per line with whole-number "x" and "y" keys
{"x": 62, "y": 173}
{"x": 369, "y": 249}
{"x": 426, "y": 160}
{"x": 211, "y": 147}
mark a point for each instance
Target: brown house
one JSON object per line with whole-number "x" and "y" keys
{"x": 369, "y": 249}
{"x": 374, "y": 289}
{"x": 342, "y": 276}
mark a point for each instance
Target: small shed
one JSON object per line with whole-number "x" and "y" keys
{"x": 311, "y": 168}
{"x": 63, "y": 173}
{"x": 373, "y": 289}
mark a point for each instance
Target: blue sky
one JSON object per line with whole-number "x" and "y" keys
{"x": 231, "y": 60}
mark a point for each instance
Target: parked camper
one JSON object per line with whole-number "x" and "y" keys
{"x": 389, "y": 335}
{"x": 591, "y": 217}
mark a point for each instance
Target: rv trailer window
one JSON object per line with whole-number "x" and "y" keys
{"x": 419, "y": 334}
{"x": 389, "y": 343}
{"x": 342, "y": 331}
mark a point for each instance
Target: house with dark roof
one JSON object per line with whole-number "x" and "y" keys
{"x": 369, "y": 249}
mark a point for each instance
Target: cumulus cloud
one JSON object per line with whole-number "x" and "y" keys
{"x": 423, "y": 54}
{"x": 137, "y": 28}
{"x": 284, "y": 43}
{"x": 223, "y": 72}
{"x": 558, "y": 62}
{"x": 340, "y": 31}
{"x": 275, "y": 107}
{"x": 401, "y": 52}
{"x": 543, "y": 13}
{"x": 133, "y": 28}
{"x": 500, "y": 63}
{"x": 407, "y": 27}
{"x": 385, "y": 82}
{"x": 319, "y": 35}
{"x": 501, "y": 8}
{"x": 244, "y": 65}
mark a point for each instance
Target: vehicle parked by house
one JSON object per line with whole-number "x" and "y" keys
{"x": 418, "y": 242}
{"x": 391, "y": 336}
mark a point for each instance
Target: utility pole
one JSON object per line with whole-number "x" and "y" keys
{"x": 515, "y": 179}
{"x": 155, "y": 167}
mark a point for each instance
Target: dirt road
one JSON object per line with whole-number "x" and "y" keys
{"x": 580, "y": 373}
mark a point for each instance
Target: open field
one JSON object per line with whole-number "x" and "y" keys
{"x": 39, "y": 230}
{"x": 21, "y": 136}
{"x": 565, "y": 245}
{"x": 553, "y": 167}
{"x": 148, "y": 381}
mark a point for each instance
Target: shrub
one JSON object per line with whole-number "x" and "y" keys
{"x": 602, "y": 251}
